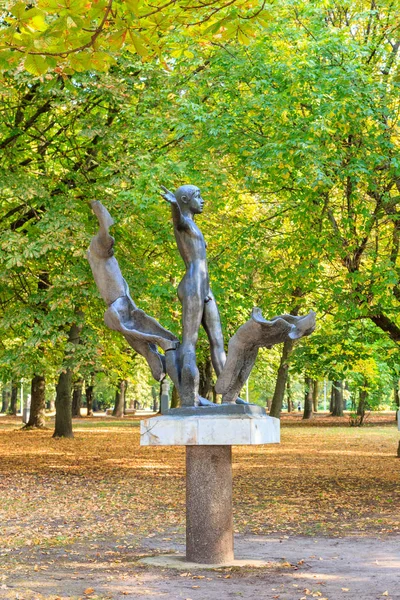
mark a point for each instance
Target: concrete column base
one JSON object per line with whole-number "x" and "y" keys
{"x": 209, "y": 520}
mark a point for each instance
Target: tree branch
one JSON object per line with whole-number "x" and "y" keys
{"x": 94, "y": 37}
{"x": 40, "y": 111}
{"x": 384, "y": 323}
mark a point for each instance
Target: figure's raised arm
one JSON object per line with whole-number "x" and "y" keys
{"x": 177, "y": 216}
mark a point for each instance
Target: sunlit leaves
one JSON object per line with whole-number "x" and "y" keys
{"x": 37, "y": 65}
{"x": 62, "y": 28}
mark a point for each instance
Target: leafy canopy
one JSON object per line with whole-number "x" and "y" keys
{"x": 77, "y": 35}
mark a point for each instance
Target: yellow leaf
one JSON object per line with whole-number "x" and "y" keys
{"x": 242, "y": 37}
{"x": 71, "y": 22}
{"x": 37, "y": 23}
{"x": 133, "y": 5}
{"x": 117, "y": 39}
{"x": 35, "y": 64}
{"x": 138, "y": 44}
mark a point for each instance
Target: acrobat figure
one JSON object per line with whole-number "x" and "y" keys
{"x": 142, "y": 332}
{"x": 198, "y": 303}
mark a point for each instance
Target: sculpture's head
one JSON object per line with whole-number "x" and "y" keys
{"x": 189, "y": 198}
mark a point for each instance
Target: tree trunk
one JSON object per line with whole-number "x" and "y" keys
{"x": 154, "y": 394}
{"x": 120, "y": 398}
{"x": 205, "y": 383}
{"x": 338, "y": 395}
{"x": 353, "y": 402}
{"x": 89, "y": 396}
{"x": 280, "y": 385}
{"x": 362, "y": 404}
{"x": 14, "y": 398}
{"x": 37, "y": 412}
{"x": 289, "y": 395}
{"x": 175, "y": 400}
{"x": 38, "y": 403}
{"x": 95, "y": 404}
{"x": 159, "y": 396}
{"x": 214, "y": 395}
{"x": 396, "y": 396}
{"x": 315, "y": 395}
{"x": 5, "y": 397}
{"x": 332, "y": 400}
{"x": 308, "y": 399}
{"x": 63, "y": 422}
{"x": 77, "y": 398}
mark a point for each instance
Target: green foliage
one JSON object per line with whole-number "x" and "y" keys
{"x": 290, "y": 129}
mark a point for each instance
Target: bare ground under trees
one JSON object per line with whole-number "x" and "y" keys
{"x": 321, "y": 508}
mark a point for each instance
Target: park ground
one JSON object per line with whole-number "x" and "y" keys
{"x": 321, "y": 508}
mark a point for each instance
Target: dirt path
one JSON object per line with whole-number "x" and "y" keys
{"x": 361, "y": 568}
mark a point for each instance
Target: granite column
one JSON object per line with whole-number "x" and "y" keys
{"x": 209, "y": 521}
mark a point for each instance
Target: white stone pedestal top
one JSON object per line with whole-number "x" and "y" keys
{"x": 209, "y": 430}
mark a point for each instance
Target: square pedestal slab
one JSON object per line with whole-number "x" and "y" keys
{"x": 209, "y": 430}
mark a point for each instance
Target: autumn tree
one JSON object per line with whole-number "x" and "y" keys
{"x": 298, "y": 156}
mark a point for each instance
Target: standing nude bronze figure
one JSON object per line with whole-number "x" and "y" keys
{"x": 198, "y": 303}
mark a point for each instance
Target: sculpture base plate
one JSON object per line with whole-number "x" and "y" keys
{"x": 178, "y": 561}
{"x": 217, "y": 410}
{"x": 213, "y": 429}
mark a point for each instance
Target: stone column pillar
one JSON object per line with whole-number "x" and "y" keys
{"x": 209, "y": 522}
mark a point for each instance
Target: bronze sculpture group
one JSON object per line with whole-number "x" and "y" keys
{"x": 144, "y": 333}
